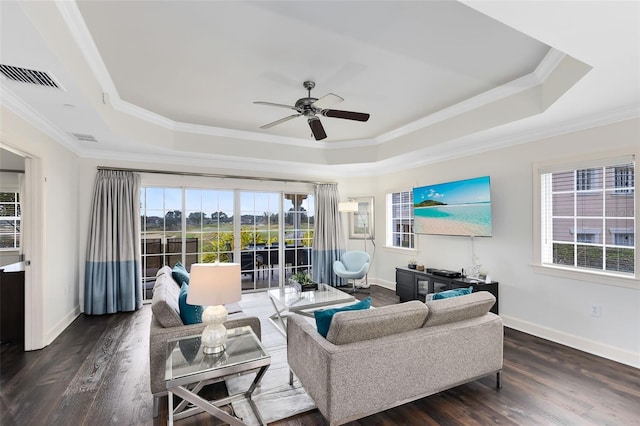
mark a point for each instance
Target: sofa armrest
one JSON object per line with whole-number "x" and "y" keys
{"x": 309, "y": 355}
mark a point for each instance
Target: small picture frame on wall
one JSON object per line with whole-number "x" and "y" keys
{"x": 361, "y": 223}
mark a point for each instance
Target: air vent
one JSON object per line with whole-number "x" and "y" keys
{"x": 84, "y": 138}
{"x": 24, "y": 75}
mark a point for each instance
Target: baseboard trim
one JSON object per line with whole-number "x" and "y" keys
{"x": 596, "y": 348}
{"x": 62, "y": 325}
{"x": 391, "y": 285}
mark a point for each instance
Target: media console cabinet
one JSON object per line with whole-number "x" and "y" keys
{"x": 412, "y": 284}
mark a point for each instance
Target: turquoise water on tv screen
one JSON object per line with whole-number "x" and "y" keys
{"x": 475, "y": 217}
{"x": 475, "y": 214}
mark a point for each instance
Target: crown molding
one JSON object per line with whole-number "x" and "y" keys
{"x": 549, "y": 63}
{"x": 489, "y": 141}
{"x": 218, "y": 162}
{"x": 81, "y": 34}
{"x": 23, "y": 110}
{"x": 477, "y": 143}
{"x": 199, "y": 129}
{"x": 509, "y": 89}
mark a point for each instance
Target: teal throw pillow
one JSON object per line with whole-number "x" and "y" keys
{"x": 190, "y": 314}
{"x": 180, "y": 274}
{"x": 324, "y": 316}
{"x": 452, "y": 293}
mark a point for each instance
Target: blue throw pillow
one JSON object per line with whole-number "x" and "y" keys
{"x": 452, "y": 293}
{"x": 324, "y": 316}
{"x": 180, "y": 274}
{"x": 190, "y": 314}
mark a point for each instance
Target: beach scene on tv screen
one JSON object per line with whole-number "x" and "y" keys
{"x": 454, "y": 208}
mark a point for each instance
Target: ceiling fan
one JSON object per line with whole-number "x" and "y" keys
{"x": 311, "y": 107}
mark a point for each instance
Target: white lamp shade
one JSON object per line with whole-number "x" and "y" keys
{"x": 348, "y": 206}
{"x": 214, "y": 284}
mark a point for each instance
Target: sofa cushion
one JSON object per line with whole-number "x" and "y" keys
{"x": 460, "y": 308}
{"x": 324, "y": 316}
{"x": 164, "y": 304}
{"x": 452, "y": 293}
{"x": 190, "y": 314}
{"x": 180, "y": 274}
{"x": 348, "y": 327}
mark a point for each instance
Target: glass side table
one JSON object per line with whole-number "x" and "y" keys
{"x": 188, "y": 370}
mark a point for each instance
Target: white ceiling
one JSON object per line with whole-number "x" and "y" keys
{"x": 175, "y": 81}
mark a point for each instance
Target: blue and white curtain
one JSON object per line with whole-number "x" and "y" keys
{"x": 328, "y": 235}
{"x": 112, "y": 280}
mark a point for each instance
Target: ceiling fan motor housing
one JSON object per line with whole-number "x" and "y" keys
{"x": 305, "y": 106}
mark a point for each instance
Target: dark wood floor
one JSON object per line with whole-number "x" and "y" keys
{"x": 96, "y": 373}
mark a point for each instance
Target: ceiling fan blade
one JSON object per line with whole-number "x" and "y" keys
{"x": 349, "y": 115}
{"x": 282, "y": 120}
{"x": 277, "y": 105}
{"x": 327, "y": 100}
{"x": 316, "y": 128}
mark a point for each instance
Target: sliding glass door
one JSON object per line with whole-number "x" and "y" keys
{"x": 269, "y": 233}
{"x": 260, "y": 234}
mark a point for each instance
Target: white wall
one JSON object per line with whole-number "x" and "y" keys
{"x": 59, "y": 241}
{"x": 547, "y": 306}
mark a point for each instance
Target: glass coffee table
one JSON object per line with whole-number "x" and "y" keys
{"x": 287, "y": 299}
{"x": 189, "y": 369}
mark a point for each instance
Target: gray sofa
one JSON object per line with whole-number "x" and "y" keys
{"x": 373, "y": 360}
{"x": 166, "y": 324}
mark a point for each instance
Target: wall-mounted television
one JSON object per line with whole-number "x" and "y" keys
{"x": 453, "y": 208}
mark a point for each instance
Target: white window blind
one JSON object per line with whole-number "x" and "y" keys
{"x": 588, "y": 217}
{"x": 9, "y": 220}
{"x": 400, "y": 220}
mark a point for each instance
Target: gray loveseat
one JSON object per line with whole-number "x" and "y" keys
{"x": 166, "y": 324}
{"x": 373, "y": 360}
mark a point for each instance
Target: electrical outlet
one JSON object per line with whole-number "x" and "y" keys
{"x": 595, "y": 311}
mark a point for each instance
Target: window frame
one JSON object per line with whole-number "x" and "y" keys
{"x": 188, "y": 194}
{"x": 16, "y": 220}
{"x": 390, "y": 218}
{"x": 581, "y": 274}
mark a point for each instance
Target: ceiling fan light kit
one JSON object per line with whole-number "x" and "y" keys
{"x": 311, "y": 107}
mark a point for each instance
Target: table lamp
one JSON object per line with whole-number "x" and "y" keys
{"x": 214, "y": 285}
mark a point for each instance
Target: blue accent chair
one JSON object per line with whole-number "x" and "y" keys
{"x": 353, "y": 266}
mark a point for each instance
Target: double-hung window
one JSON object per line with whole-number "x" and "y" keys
{"x": 400, "y": 220}
{"x": 588, "y": 217}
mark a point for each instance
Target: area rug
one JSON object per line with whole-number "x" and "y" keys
{"x": 275, "y": 398}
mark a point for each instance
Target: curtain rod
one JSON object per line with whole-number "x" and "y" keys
{"x": 213, "y": 175}
{"x": 11, "y": 171}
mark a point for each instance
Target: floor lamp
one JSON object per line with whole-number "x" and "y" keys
{"x": 353, "y": 207}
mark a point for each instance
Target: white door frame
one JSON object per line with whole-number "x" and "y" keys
{"x": 33, "y": 241}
